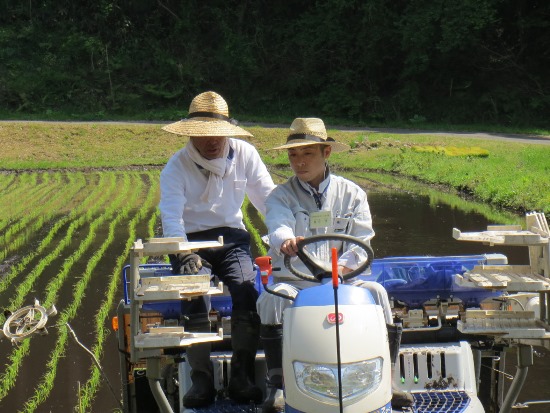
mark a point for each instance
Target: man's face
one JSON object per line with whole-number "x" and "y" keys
{"x": 210, "y": 147}
{"x": 308, "y": 163}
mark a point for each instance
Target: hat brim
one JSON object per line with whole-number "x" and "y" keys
{"x": 336, "y": 146}
{"x": 199, "y": 128}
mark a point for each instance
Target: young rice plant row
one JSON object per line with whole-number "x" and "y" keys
{"x": 72, "y": 234}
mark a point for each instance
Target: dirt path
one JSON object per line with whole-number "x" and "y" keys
{"x": 510, "y": 137}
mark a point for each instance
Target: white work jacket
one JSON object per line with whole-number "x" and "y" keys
{"x": 289, "y": 210}
{"x": 182, "y": 182}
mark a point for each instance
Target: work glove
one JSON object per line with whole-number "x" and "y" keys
{"x": 185, "y": 263}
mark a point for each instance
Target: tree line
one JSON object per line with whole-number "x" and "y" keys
{"x": 366, "y": 61}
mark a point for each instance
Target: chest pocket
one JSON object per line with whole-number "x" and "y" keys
{"x": 302, "y": 222}
{"x": 340, "y": 225}
{"x": 239, "y": 188}
{"x": 240, "y": 185}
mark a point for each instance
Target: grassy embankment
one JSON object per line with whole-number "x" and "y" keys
{"x": 513, "y": 175}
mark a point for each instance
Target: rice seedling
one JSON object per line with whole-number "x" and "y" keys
{"x": 11, "y": 205}
{"x": 252, "y": 229}
{"x": 6, "y": 181}
{"x": 97, "y": 197}
{"x": 8, "y": 381}
{"x": 91, "y": 386}
{"x": 115, "y": 214}
{"x": 18, "y": 234}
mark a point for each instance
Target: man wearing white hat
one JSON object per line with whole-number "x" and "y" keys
{"x": 202, "y": 190}
{"x": 311, "y": 202}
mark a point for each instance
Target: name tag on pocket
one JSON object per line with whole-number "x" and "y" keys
{"x": 340, "y": 224}
{"x": 319, "y": 219}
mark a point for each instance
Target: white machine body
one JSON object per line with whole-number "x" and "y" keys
{"x": 310, "y": 357}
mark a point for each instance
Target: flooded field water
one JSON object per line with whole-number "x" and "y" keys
{"x": 416, "y": 222}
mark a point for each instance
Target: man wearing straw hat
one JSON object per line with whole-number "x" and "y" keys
{"x": 312, "y": 202}
{"x": 202, "y": 190}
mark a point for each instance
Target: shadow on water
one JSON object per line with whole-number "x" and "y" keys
{"x": 412, "y": 219}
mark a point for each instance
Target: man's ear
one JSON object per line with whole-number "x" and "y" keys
{"x": 327, "y": 150}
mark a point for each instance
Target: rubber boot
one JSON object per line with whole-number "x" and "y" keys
{"x": 272, "y": 342}
{"x": 399, "y": 399}
{"x": 202, "y": 393}
{"x": 245, "y": 329}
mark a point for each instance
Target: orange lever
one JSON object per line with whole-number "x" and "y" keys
{"x": 264, "y": 263}
{"x": 334, "y": 268}
{"x": 114, "y": 323}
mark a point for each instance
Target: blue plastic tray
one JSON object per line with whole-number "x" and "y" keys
{"x": 412, "y": 280}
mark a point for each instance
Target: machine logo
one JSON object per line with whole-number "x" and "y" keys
{"x": 331, "y": 318}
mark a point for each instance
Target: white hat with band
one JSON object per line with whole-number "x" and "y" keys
{"x": 310, "y": 131}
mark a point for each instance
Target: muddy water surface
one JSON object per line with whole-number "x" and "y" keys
{"x": 411, "y": 224}
{"x": 417, "y": 222}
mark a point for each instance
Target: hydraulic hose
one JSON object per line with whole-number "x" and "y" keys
{"x": 154, "y": 378}
{"x": 525, "y": 359}
{"x": 160, "y": 397}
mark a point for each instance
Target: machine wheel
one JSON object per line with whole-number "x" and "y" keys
{"x": 24, "y": 322}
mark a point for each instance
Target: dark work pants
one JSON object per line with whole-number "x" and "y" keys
{"x": 232, "y": 264}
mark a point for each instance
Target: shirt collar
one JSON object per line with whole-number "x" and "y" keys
{"x": 322, "y": 186}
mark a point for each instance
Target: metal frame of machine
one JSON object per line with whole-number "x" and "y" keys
{"x": 456, "y": 323}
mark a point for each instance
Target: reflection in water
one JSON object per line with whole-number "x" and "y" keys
{"x": 407, "y": 224}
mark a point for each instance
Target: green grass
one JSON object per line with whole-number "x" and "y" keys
{"x": 467, "y": 151}
{"x": 436, "y": 194}
{"x": 510, "y": 175}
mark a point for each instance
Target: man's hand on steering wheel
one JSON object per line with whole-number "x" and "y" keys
{"x": 290, "y": 246}
{"x": 320, "y": 269}
{"x": 343, "y": 270}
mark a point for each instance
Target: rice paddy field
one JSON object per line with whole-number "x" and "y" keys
{"x": 74, "y": 197}
{"x": 72, "y": 202}
{"x": 65, "y": 238}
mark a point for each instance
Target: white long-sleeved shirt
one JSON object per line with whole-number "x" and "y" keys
{"x": 182, "y": 182}
{"x": 290, "y": 205}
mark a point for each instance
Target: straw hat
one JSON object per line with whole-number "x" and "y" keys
{"x": 208, "y": 116}
{"x": 310, "y": 131}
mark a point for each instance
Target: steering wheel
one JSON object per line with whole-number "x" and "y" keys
{"x": 321, "y": 269}
{"x": 24, "y": 322}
